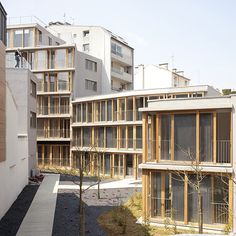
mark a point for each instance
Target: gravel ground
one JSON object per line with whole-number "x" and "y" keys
{"x": 66, "y": 220}
{"x": 11, "y": 222}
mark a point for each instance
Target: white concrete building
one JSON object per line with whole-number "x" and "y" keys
{"x": 17, "y": 126}
{"x": 116, "y": 55}
{"x": 158, "y": 76}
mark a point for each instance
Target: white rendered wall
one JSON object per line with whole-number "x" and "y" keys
{"x": 13, "y": 171}
{"x": 151, "y": 77}
{"x": 19, "y": 83}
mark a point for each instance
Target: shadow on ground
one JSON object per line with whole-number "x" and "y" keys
{"x": 12, "y": 220}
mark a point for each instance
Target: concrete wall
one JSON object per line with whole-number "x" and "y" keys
{"x": 2, "y": 102}
{"x": 13, "y": 171}
{"x": 81, "y": 74}
{"x": 19, "y": 81}
{"x": 151, "y": 76}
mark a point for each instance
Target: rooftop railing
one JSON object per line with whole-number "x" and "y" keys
{"x": 25, "y": 20}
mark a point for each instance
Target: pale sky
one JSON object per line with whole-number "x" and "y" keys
{"x": 197, "y": 36}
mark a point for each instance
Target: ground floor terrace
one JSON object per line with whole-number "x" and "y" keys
{"x": 172, "y": 197}
{"x": 95, "y": 162}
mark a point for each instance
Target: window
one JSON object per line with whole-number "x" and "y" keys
{"x": 33, "y": 88}
{"x": 90, "y": 85}
{"x": 40, "y": 37}
{"x": 49, "y": 41}
{"x": 116, "y": 49}
{"x": 86, "y": 47}
{"x": 32, "y": 119}
{"x": 28, "y": 37}
{"x": 18, "y": 38}
{"x": 86, "y": 33}
{"x": 91, "y": 65}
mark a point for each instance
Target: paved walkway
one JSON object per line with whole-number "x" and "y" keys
{"x": 124, "y": 183}
{"x": 40, "y": 216}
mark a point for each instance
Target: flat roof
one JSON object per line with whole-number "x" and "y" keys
{"x": 198, "y": 88}
{"x": 180, "y": 104}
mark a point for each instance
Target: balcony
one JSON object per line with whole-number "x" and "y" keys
{"x": 53, "y": 110}
{"x": 120, "y": 74}
{"x": 53, "y": 134}
{"x": 121, "y": 57}
{"x": 53, "y": 87}
{"x": 12, "y": 63}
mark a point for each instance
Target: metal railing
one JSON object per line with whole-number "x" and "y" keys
{"x": 53, "y": 133}
{"x": 53, "y": 110}
{"x": 24, "y": 20}
{"x": 11, "y": 62}
{"x": 223, "y": 151}
{"x": 221, "y": 213}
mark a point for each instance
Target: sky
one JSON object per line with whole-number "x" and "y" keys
{"x": 196, "y": 36}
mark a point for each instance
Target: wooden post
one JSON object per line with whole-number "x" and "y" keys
{"x": 145, "y": 136}
{"x": 135, "y": 166}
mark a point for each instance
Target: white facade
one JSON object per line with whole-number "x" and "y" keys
{"x": 153, "y": 76}
{"x": 116, "y": 55}
{"x": 20, "y": 82}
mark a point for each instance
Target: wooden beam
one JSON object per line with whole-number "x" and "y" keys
{"x": 231, "y": 192}
{"x": 144, "y": 134}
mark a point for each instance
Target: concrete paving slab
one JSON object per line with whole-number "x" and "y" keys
{"x": 40, "y": 216}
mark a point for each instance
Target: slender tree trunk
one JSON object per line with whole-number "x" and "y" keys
{"x": 200, "y": 213}
{"x": 81, "y": 204}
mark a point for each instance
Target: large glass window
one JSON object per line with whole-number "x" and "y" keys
{"x": 109, "y": 110}
{"x": 63, "y": 81}
{"x": 60, "y": 58}
{"x": 165, "y": 137}
{"x": 206, "y": 137}
{"x": 28, "y": 38}
{"x": 41, "y": 60}
{"x": 185, "y": 137}
{"x": 111, "y": 137}
{"x": 18, "y": 38}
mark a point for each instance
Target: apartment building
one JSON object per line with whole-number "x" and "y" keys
{"x": 107, "y": 129}
{"x": 63, "y": 73}
{"x": 17, "y": 125}
{"x": 148, "y": 77}
{"x": 114, "y": 52}
{"x": 189, "y": 143}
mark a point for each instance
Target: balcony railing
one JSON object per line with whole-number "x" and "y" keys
{"x": 53, "y": 110}
{"x": 221, "y": 213}
{"x": 134, "y": 144}
{"x": 24, "y": 20}
{"x": 53, "y": 133}
{"x": 12, "y": 63}
{"x": 54, "y": 162}
{"x": 223, "y": 151}
{"x": 53, "y": 87}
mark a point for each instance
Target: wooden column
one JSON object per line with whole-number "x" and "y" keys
{"x": 186, "y": 199}
{"x": 214, "y": 137}
{"x": 135, "y": 166}
{"x": 134, "y": 109}
{"x": 144, "y": 194}
{"x": 145, "y": 136}
{"x": 198, "y": 137}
